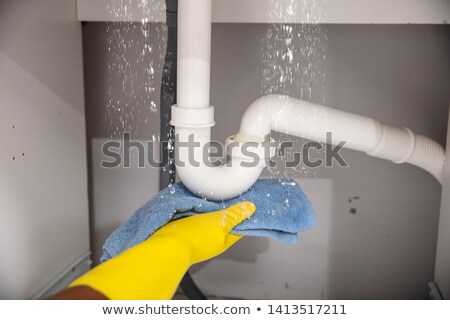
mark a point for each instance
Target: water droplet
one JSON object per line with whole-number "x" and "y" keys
{"x": 153, "y": 107}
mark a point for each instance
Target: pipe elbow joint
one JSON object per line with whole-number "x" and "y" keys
{"x": 218, "y": 183}
{"x": 246, "y": 162}
{"x": 256, "y": 123}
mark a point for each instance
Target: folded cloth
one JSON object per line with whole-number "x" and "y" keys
{"x": 282, "y": 210}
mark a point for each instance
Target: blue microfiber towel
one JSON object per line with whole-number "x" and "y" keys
{"x": 282, "y": 210}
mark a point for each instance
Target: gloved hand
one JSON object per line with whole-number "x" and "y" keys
{"x": 154, "y": 268}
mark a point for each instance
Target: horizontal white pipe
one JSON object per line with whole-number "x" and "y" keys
{"x": 194, "y": 53}
{"x": 307, "y": 120}
{"x": 312, "y": 121}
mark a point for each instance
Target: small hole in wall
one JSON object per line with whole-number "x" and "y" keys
{"x": 23, "y": 154}
{"x": 14, "y": 158}
{"x": 14, "y": 127}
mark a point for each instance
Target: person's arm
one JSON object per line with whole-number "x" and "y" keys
{"x": 154, "y": 268}
{"x": 79, "y": 293}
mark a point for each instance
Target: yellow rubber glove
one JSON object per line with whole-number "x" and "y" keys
{"x": 154, "y": 268}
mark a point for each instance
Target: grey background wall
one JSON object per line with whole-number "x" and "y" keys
{"x": 43, "y": 181}
{"x": 382, "y": 244}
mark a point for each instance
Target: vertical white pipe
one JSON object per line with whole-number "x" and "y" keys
{"x": 194, "y": 53}
{"x": 193, "y": 115}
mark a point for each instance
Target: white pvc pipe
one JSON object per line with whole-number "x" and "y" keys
{"x": 194, "y": 53}
{"x": 193, "y": 116}
{"x": 312, "y": 121}
{"x": 307, "y": 120}
{"x": 215, "y": 183}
